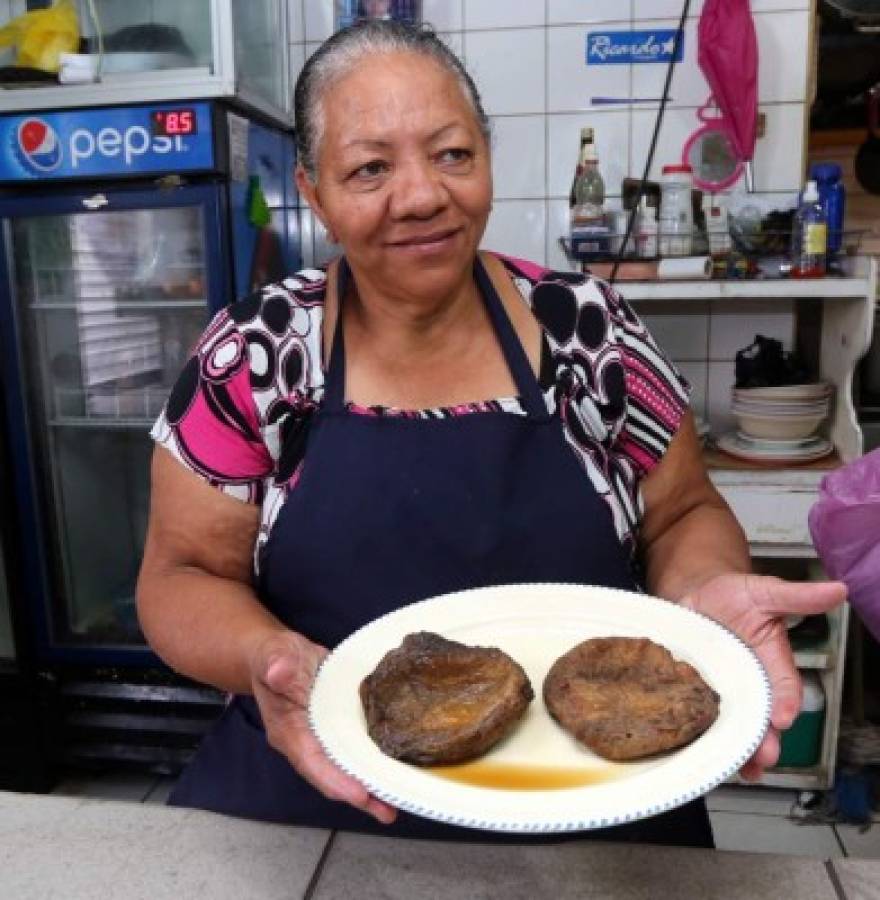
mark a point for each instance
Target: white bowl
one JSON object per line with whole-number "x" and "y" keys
{"x": 782, "y": 428}
{"x": 759, "y": 409}
{"x": 787, "y": 392}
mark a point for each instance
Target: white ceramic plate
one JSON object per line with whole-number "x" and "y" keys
{"x": 535, "y": 624}
{"x": 780, "y": 444}
{"x": 731, "y": 443}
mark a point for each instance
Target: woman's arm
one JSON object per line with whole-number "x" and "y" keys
{"x": 696, "y": 554}
{"x": 199, "y": 612}
{"x": 195, "y": 601}
{"x": 688, "y": 532}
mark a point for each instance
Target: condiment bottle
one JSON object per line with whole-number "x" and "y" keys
{"x": 809, "y": 238}
{"x": 589, "y": 190}
{"x": 646, "y": 240}
{"x": 676, "y": 213}
{"x": 586, "y": 140}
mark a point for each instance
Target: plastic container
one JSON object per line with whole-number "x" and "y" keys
{"x": 832, "y": 196}
{"x": 809, "y": 238}
{"x": 802, "y": 743}
{"x": 646, "y": 238}
{"x": 676, "y": 222}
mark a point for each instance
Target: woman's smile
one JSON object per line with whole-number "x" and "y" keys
{"x": 425, "y": 243}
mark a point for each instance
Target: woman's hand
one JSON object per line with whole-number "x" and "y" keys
{"x": 283, "y": 669}
{"x": 754, "y": 608}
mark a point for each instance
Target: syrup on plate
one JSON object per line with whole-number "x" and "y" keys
{"x": 513, "y": 777}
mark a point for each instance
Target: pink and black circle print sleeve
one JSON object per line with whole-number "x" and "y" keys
{"x": 210, "y": 421}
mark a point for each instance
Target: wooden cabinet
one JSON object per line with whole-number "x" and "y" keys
{"x": 772, "y": 504}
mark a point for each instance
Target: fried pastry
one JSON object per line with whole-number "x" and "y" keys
{"x": 433, "y": 701}
{"x": 625, "y": 698}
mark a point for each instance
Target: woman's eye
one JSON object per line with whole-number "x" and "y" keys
{"x": 370, "y": 170}
{"x": 455, "y": 156}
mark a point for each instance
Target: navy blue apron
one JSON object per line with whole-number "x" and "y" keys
{"x": 389, "y": 510}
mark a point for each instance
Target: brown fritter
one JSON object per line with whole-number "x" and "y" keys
{"x": 626, "y": 698}
{"x": 433, "y": 701}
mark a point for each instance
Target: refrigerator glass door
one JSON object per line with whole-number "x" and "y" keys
{"x": 151, "y": 37}
{"x": 108, "y": 304}
{"x": 260, "y": 63}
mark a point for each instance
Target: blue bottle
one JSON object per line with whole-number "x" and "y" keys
{"x": 832, "y": 196}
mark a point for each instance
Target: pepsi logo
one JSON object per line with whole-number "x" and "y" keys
{"x": 39, "y": 145}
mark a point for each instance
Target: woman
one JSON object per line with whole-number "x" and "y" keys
{"x": 550, "y": 442}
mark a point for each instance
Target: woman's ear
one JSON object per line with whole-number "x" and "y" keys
{"x": 309, "y": 191}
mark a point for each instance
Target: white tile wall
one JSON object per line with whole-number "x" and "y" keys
{"x": 319, "y": 19}
{"x": 297, "y": 59}
{"x": 517, "y": 228}
{"x": 537, "y": 87}
{"x": 697, "y": 374}
{"x": 780, "y": 154}
{"x": 721, "y": 378}
{"x": 295, "y": 21}
{"x": 519, "y": 157}
{"x": 455, "y": 41}
{"x": 565, "y": 12}
{"x": 557, "y": 225}
{"x": 732, "y": 327}
{"x": 658, "y": 9}
{"x": 508, "y": 67}
{"x": 509, "y": 14}
{"x": 688, "y": 87}
{"x": 443, "y": 15}
{"x": 683, "y": 335}
{"x": 783, "y": 56}
{"x": 570, "y": 81}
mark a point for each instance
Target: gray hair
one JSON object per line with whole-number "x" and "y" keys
{"x": 342, "y": 51}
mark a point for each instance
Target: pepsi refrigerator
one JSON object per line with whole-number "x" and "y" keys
{"x": 122, "y": 230}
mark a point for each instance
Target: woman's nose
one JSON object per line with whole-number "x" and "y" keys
{"x": 418, "y": 191}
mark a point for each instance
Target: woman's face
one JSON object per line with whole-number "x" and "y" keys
{"x": 404, "y": 177}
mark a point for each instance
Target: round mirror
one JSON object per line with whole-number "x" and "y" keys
{"x": 709, "y": 151}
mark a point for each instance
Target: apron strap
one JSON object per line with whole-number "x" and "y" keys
{"x": 334, "y": 381}
{"x": 511, "y": 347}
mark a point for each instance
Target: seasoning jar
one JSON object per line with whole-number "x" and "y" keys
{"x": 676, "y": 222}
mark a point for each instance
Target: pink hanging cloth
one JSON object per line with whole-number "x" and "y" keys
{"x": 728, "y": 58}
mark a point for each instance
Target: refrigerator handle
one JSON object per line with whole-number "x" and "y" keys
{"x": 96, "y": 201}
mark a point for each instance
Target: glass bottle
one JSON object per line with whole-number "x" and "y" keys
{"x": 589, "y": 191}
{"x": 586, "y": 140}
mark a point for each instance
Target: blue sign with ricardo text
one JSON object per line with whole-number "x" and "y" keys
{"x": 610, "y": 47}
{"x": 95, "y": 143}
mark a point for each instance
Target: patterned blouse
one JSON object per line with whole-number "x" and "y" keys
{"x": 238, "y": 414}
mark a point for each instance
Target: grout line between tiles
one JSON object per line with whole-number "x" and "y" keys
{"x": 839, "y": 840}
{"x": 312, "y": 886}
{"x": 835, "y": 880}
{"x": 151, "y": 789}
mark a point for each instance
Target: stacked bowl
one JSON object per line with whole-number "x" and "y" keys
{"x": 780, "y": 424}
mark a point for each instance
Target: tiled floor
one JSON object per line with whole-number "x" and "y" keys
{"x": 743, "y": 818}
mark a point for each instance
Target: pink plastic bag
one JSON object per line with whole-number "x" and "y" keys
{"x": 728, "y": 57}
{"x": 845, "y": 525}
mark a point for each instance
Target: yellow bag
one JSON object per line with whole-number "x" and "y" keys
{"x": 42, "y": 35}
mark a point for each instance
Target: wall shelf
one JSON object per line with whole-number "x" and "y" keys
{"x": 772, "y": 503}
